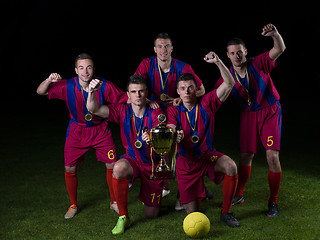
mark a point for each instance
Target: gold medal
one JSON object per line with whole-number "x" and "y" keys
{"x": 249, "y": 102}
{"x": 88, "y": 117}
{"x": 194, "y": 139}
{"x": 138, "y": 144}
{"x": 163, "y": 97}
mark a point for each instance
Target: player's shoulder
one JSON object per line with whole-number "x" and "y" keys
{"x": 148, "y": 60}
{"x": 180, "y": 64}
{"x": 64, "y": 82}
{"x": 156, "y": 111}
{"x": 259, "y": 57}
{"x": 119, "y": 107}
{"x": 172, "y": 108}
{"x": 209, "y": 98}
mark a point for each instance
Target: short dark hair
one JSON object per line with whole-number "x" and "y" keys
{"x": 82, "y": 56}
{"x": 136, "y": 79}
{"x": 235, "y": 41}
{"x": 162, "y": 36}
{"x": 186, "y": 77}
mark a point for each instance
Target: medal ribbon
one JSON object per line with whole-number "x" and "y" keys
{"x": 195, "y": 122}
{"x": 161, "y": 79}
{"x": 135, "y": 125}
{"x": 85, "y": 102}
{"x": 238, "y": 80}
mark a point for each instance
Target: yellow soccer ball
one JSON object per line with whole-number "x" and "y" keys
{"x": 196, "y": 225}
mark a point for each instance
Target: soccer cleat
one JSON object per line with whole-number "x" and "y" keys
{"x": 122, "y": 224}
{"x": 273, "y": 210}
{"x": 178, "y": 206}
{"x": 71, "y": 211}
{"x": 229, "y": 219}
{"x": 237, "y": 200}
{"x": 114, "y": 207}
{"x": 165, "y": 193}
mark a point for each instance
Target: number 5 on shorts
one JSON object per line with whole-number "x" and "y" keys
{"x": 270, "y": 141}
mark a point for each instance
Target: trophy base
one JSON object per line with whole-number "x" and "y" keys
{"x": 163, "y": 175}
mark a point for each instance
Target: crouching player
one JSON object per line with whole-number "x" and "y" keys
{"x": 197, "y": 158}
{"x": 135, "y": 163}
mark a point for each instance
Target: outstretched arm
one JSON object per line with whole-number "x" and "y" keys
{"x": 270, "y": 30}
{"x": 228, "y": 82}
{"x": 44, "y": 86}
{"x": 92, "y": 103}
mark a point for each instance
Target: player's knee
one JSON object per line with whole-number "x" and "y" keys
{"x": 151, "y": 212}
{"x": 272, "y": 157}
{"x": 70, "y": 169}
{"x": 119, "y": 169}
{"x": 231, "y": 168}
{"x": 273, "y": 160}
{"x": 226, "y": 165}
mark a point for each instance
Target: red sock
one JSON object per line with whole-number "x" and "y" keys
{"x": 244, "y": 175}
{"x": 274, "y": 180}
{"x": 110, "y": 185}
{"x": 228, "y": 188}
{"x": 121, "y": 190}
{"x": 72, "y": 185}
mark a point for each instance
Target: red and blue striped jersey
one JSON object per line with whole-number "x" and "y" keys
{"x": 70, "y": 91}
{"x": 261, "y": 88}
{"x": 122, "y": 114}
{"x": 202, "y": 126}
{"x": 149, "y": 69}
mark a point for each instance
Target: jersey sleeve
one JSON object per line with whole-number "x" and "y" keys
{"x": 114, "y": 112}
{"x": 264, "y": 62}
{"x": 211, "y": 100}
{"x": 172, "y": 114}
{"x": 143, "y": 68}
{"x": 188, "y": 69}
{"x": 113, "y": 94}
{"x": 155, "y": 114}
{"x": 57, "y": 90}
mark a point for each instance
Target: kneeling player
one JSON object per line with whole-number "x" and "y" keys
{"x": 196, "y": 157}
{"x": 132, "y": 118}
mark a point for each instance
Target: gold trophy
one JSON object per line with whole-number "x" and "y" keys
{"x": 161, "y": 138}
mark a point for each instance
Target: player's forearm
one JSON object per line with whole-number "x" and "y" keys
{"x": 224, "y": 89}
{"x": 44, "y": 87}
{"x": 226, "y": 74}
{"x": 278, "y": 46}
{"x": 96, "y": 108}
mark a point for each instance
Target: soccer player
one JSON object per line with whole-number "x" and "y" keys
{"x": 261, "y": 114}
{"x": 135, "y": 163}
{"x": 197, "y": 158}
{"x": 162, "y": 72}
{"x": 86, "y": 130}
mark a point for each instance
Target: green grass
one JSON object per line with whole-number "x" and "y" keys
{"x": 34, "y": 198}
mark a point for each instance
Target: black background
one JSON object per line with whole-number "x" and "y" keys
{"x": 41, "y": 37}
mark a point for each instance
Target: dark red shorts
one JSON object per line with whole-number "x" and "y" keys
{"x": 190, "y": 173}
{"x": 263, "y": 125}
{"x": 81, "y": 139}
{"x": 150, "y": 190}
